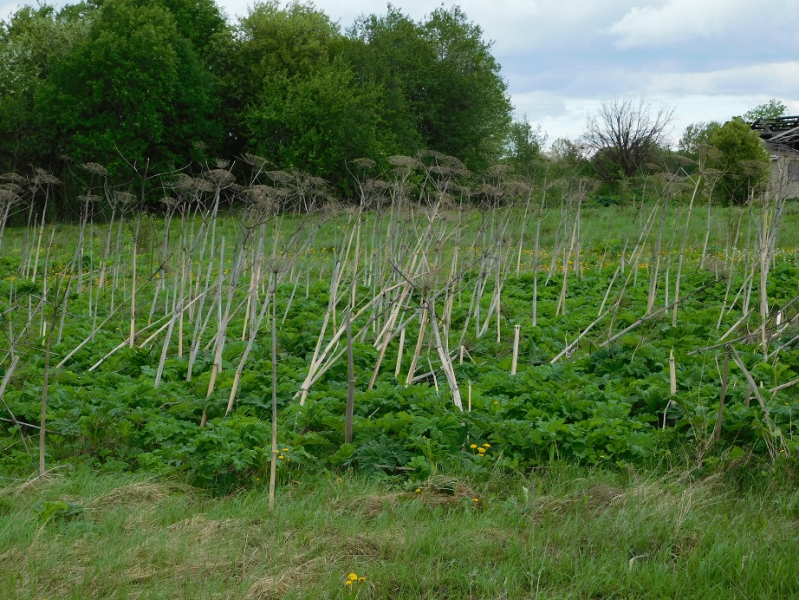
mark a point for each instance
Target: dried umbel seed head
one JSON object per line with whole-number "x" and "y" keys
{"x": 440, "y": 170}
{"x": 406, "y": 162}
{"x": 222, "y": 163}
{"x": 13, "y": 178}
{"x": 90, "y": 198}
{"x": 95, "y": 169}
{"x": 374, "y": 185}
{"x": 7, "y": 197}
{"x": 12, "y": 188}
{"x": 258, "y": 193}
{"x": 169, "y": 201}
{"x": 42, "y": 177}
{"x": 497, "y": 170}
{"x": 279, "y": 176}
{"x": 221, "y": 177}
{"x": 124, "y": 198}
{"x": 366, "y": 163}
{"x": 487, "y": 190}
{"x": 445, "y": 201}
{"x": 518, "y": 188}
{"x": 256, "y": 161}
{"x": 453, "y": 163}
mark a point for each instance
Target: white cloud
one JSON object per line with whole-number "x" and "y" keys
{"x": 679, "y": 21}
{"x": 774, "y": 79}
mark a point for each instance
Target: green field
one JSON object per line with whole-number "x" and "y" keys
{"x": 592, "y": 459}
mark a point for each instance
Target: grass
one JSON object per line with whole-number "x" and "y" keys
{"x": 561, "y": 532}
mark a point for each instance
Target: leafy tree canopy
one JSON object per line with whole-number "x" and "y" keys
{"x": 133, "y": 90}
{"x": 741, "y": 157}
{"x": 773, "y": 109}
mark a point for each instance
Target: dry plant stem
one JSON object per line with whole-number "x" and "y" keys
{"x": 515, "y": 361}
{"x": 753, "y": 387}
{"x": 273, "y": 461}
{"x": 398, "y": 368}
{"x": 90, "y": 338}
{"x": 178, "y": 312}
{"x": 568, "y": 349}
{"x": 319, "y": 366}
{"x": 125, "y": 343}
{"x": 3, "y": 385}
{"x": 418, "y": 350}
{"x": 735, "y": 326}
{"x": 672, "y": 374}
{"x": 348, "y": 416}
{"x": 446, "y": 361}
{"x": 133, "y": 299}
{"x": 655, "y": 261}
{"x": 390, "y": 323}
{"x": 784, "y": 386}
{"x": 645, "y": 318}
{"x": 724, "y": 377}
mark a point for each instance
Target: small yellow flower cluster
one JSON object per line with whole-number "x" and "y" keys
{"x": 353, "y": 578}
{"x": 481, "y": 450}
{"x": 283, "y": 456}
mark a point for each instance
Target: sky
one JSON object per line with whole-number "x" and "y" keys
{"x": 706, "y": 59}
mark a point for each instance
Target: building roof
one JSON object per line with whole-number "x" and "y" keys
{"x": 782, "y": 132}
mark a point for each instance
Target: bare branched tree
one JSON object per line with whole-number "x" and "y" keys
{"x": 625, "y": 132}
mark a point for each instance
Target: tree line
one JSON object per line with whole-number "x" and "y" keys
{"x": 172, "y": 82}
{"x": 141, "y": 88}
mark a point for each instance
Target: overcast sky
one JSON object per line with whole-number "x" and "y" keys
{"x": 709, "y": 59}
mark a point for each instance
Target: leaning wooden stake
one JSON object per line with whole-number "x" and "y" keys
{"x": 515, "y": 361}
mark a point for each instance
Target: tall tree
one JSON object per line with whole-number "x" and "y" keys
{"x": 444, "y": 88}
{"x": 742, "y": 157}
{"x": 625, "y": 133}
{"x": 773, "y": 109}
{"x": 133, "y": 90}
{"x": 32, "y": 41}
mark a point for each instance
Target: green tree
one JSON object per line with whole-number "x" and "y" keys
{"x": 742, "y": 158}
{"x": 274, "y": 46}
{"x": 697, "y": 135}
{"x": 625, "y": 134}
{"x": 133, "y": 90}
{"x": 392, "y": 51}
{"x": 524, "y": 144}
{"x": 444, "y": 88}
{"x": 317, "y": 123}
{"x": 32, "y": 41}
{"x": 773, "y": 109}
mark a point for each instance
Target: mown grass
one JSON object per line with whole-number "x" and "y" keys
{"x": 561, "y": 532}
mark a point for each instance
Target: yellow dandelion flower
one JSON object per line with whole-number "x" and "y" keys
{"x": 496, "y": 402}
{"x": 418, "y": 490}
{"x": 361, "y": 579}
{"x": 481, "y": 450}
{"x": 475, "y": 499}
{"x": 486, "y": 445}
{"x": 280, "y": 457}
{"x": 285, "y": 449}
{"x": 348, "y": 582}
{"x": 353, "y": 577}
{"x": 473, "y": 446}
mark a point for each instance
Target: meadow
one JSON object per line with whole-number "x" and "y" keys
{"x": 542, "y": 398}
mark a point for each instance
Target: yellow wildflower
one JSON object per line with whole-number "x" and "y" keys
{"x": 473, "y": 446}
{"x": 353, "y": 577}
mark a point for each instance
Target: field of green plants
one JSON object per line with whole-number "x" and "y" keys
{"x": 248, "y": 350}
